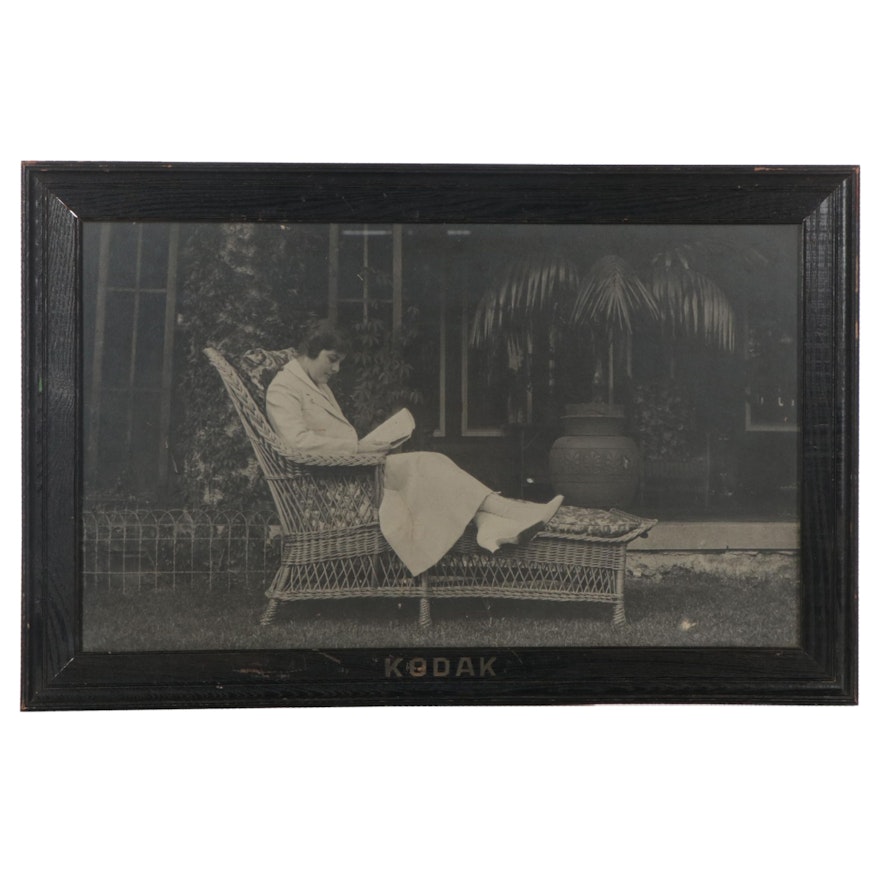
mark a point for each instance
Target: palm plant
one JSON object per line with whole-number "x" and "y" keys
{"x": 546, "y": 298}
{"x": 528, "y": 302}
{"x": 692, "y": 304}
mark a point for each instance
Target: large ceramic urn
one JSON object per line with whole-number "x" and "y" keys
{"x": 594, "y": 464}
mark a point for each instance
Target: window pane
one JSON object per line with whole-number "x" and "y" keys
{"x": 350, "y": 264}
{"x": 122, "y": 268}
{"x": 379, "y": 268}
{"x": 154, "y": 255}
{"x": 365, "y": 262}
{"x": 117, "y": 338}
{"x": 772, "y": 353}
{"x": 150, "y": 343}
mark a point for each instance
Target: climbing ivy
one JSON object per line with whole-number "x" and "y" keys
{"x": 244, "y": 286}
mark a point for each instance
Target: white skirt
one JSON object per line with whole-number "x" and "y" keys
{"x": 427, "y": 503}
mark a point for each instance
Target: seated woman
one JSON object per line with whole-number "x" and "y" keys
{"x": 427, "y": 500}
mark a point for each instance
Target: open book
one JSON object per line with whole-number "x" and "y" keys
{"x": 394, "y": 430}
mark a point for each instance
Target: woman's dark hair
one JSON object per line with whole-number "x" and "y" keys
{"x": 322, "y": 336}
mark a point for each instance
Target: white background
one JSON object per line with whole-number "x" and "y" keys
{"x": 470, "y": 792}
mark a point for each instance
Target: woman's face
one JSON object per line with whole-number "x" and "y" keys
{"x": 324, "y": 366}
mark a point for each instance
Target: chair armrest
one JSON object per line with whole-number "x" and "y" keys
{"x": 314, "y": 493}
{"x": 355, "y": 459}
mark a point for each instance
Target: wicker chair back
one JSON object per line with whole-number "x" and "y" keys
{"x": 311, "y": 493}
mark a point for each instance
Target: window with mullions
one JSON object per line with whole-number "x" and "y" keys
{"x": 446, "y": 272}
{"x": 130, "y": 273}
{"x": 771, "y": 354}
{"x": 366, "y": 266}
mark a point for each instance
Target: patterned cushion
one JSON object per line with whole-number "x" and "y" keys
{"x": 258, "y": 368}
{"x": 593, "y": 523}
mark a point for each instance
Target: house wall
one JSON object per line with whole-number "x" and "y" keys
{"x": 443, "y": 274}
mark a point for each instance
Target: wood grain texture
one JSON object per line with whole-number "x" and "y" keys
{"x": 437, "y": 194}
{"x": 59, "y": 197}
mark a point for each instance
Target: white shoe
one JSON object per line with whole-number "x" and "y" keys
{"x": 550, "y": 509}
{"x": 494, "y": 531}
{"x": 523, "y": 511}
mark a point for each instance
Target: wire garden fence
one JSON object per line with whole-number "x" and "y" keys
{"x": 132, "y": 550}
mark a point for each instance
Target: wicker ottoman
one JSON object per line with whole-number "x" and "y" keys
{"x": 581, "y": 556}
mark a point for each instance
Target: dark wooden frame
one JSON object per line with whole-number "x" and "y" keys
{"x": 58, "y": 197}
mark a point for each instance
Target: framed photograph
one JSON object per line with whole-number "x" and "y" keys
{"x": 301, "y": 435}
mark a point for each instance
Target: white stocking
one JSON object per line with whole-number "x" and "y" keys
{"x": 506, "y": 521}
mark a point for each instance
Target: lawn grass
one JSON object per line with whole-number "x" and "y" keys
{"x": 683, "y": 609}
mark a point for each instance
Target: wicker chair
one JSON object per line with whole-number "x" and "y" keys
{"x": 332, "y": 546}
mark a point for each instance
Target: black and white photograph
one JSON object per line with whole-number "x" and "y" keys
{"x": 522, "y": 433}
{"x": 600, "y": 442}
{"x": 595, "y": 279}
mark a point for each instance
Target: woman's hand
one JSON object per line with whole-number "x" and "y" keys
{"x": 373, "y": 446}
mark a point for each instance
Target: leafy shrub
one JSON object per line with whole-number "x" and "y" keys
{"x": 664, "y": 420}
{"x": 378, "y": 372}
{"x": 243, "y": 286}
